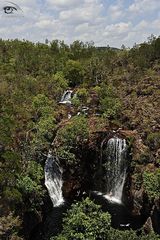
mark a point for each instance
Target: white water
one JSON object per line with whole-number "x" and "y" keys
{"x": 53, "y": 180}
{"x": 66, "y": 98}
{"x": 115, "y": 170}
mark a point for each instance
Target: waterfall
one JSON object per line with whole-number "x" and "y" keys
{"x": 66, "y": 97}
{"x": 53, "y": 180}
{"x": 115, "y": 169}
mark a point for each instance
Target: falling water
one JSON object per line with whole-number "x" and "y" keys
{"x": 115, "y": 169}
{"x": 53, "y": 180}
{"x": 66, "y": 97}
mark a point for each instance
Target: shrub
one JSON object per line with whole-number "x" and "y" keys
{"x": 110, "y": 105}
{"x": 151, "y": 181}
{"x": 29, "y": 182}
{"x": 82, "y": 94}
{"x": 75, "y": 133}
{"x": 64, "y": 153}
{"x": 153, "y": 140}
{"x": 74, "y": 72}
{"x": 85, "y": 220}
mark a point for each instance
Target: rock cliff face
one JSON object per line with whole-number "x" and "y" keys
{"x": 86, "y": 176}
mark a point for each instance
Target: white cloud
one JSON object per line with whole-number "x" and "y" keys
{"x": 46, "y": 23}
{"x": 81, "y": 28}
{"x": 87, "y": 12}
{"x": 64, "y": 3}
{"x": 117, "y": 29}
{"x": 116, "y": 11}
{"x": 141, "y": 6}
{"x": 85, "y": 20}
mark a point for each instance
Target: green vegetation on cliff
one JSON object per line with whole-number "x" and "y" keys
{"x": 86, "y": 220}
{"x": 119, "y": 87}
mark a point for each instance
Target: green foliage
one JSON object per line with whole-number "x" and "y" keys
{"x": 29, "y": 182}
{"x": 71, "y": 138}
{"x": 85, "y": 220}
{"x": 41, "y": 104}
{"x": 6, "y": 127}
{"x": 33, "y": 78}
{"x": 80, "y": 98}
{"x": 82, "y": 94}
{"x": 12, "y": 195}
{"x": 153, "y": 140}
{"x": 74, "y": 133}
{"x": 10, "y": 166}
{"x": 150, "y": 236}
{"x": 144, "y": 157}
{"x": 64, "y": 153}
{"x": 35, "y": 171}
{"x": 28, "y": 186}
{"x": 10, "y": 225}
{"x": 74, "y": 72}
{"x": 76, "y": 101}
{"x": 57, "y": 85}
{"x": 114, "y": 234}
{"x": 110, "y": 105}
{"x": 151, "y": 181}
{"x": 44, "y": 124}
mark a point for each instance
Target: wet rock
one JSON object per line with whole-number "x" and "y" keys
{"x": 137, "y": 201}
{"x": 30, "y": 221}
{"x": 148, "y": 225}
{"x": 155, "y": 216}
{"x": 70, "y": 188}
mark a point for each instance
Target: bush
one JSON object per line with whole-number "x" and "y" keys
{"x": 64, "y": 153}
{"x": 110, "y": 105}
{"x": 74, "y": 72}
{"x": 57, "y": 85}
{"x": 151, "y": 181}
{"x": 29, "y": 183}
{"x": 153, "y": 140}
{"x": 75, "y": 133}
{"x": 76, "y": 101}
{"x": 85, "y": 220}
{"x": 82, "y": 94}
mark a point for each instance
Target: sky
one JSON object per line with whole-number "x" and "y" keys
{"x": 105, "y": 22}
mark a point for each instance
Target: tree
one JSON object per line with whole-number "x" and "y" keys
{"x": 75, "y": 133}
{"x": 153, "y": 140}
{"x": 74, "y": 72}
{"x": 57, "y": 85}
{"x": 151, "y": 181}
{"x": 110, "y": 104}
{"x": 43, "y": 124}
{"x": 85, "y": 220}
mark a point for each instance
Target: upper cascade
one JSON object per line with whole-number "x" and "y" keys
{"x": 66, "y": 98}
{"x": 53, "y": 180}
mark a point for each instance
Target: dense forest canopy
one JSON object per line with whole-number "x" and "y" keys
{"x": 120, "y": 87}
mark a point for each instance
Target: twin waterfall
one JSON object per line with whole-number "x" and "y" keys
{"x": 114, "y": 165}
{"x": 53, "y": 180}
{"x": 115, "y": 169}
